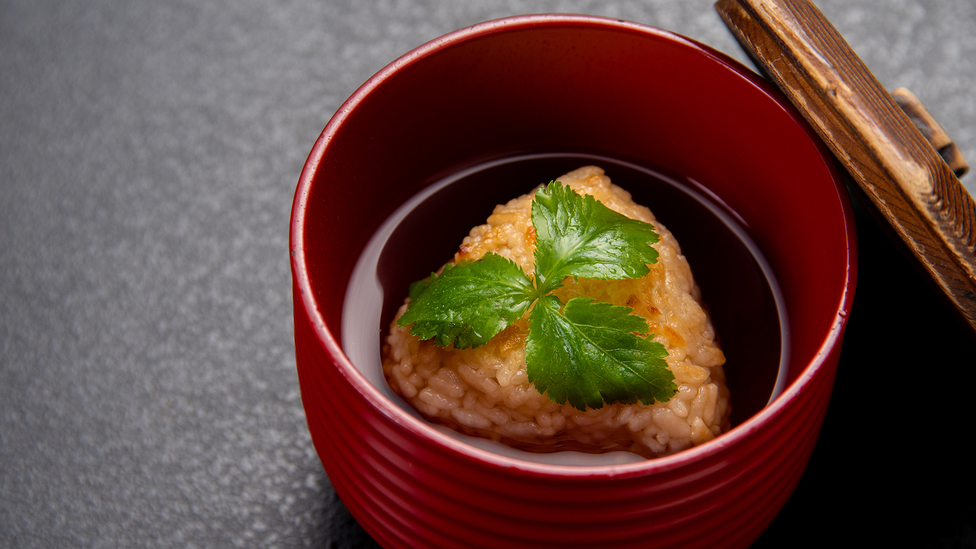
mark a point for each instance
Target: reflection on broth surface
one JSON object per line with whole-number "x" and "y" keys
{"x": 735, "y": 282}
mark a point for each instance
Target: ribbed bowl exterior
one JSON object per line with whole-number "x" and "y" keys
{"x": 410, "y": 485}
{"x": 408, "y": 492}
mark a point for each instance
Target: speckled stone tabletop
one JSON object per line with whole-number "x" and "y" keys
{"x": 149, "y": 153}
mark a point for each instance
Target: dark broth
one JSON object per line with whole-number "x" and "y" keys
{"x": 737, "y": 286}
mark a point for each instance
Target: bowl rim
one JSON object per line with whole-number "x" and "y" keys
{"x": 426, "y": 431}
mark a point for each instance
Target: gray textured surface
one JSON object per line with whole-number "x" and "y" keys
{"x": 148, "y": 156}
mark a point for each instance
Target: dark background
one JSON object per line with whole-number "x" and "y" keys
{"x": 149, "y": 153}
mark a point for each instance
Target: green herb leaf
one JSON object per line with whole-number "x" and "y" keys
{"x": 591, "y": 354}
{"x": 578, "y": 236}
{"x": 469, "y": 302}
{"x": 587, "y": 353}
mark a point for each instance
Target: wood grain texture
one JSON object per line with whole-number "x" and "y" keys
{"x": 933, "y": 132}
{"x": 901, "y": 173}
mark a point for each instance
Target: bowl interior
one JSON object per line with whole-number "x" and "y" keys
{"x": 732, "y": 271}
{"x": 572, "y": 89}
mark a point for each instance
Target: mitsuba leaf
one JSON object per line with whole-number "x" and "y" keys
{"x": 468, "y": 303}
{"x": 591, "y": 354}
{"x": 578, "y": 236}
{"x": 587, "y": 353}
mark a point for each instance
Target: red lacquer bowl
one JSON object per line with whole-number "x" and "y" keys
{"x": 597, "y": 88}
